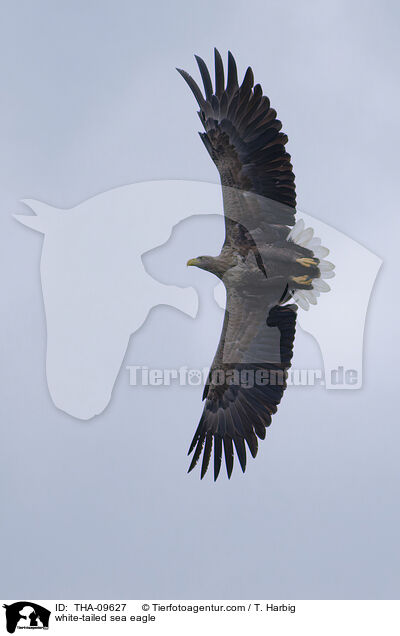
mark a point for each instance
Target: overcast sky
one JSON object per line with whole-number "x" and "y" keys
{"x": 104, "y": 509}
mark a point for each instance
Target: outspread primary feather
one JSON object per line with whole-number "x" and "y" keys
{"x": 266, "y": 261}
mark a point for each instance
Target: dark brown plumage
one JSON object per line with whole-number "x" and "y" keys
{"x": 259, "y": 265}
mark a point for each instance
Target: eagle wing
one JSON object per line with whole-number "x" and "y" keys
{"x": 247, "y": 378}
{"x": 243, "y": 136}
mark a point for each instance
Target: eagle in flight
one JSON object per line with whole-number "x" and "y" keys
{"x": 266, "y": 261}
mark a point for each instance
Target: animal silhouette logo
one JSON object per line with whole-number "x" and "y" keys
{"x": 25, "y": 615}
{"x": 97, "y": 292}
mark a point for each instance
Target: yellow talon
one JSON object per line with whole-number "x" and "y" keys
{"x": 306, "y": 262}
{"x": 302, "y": 280}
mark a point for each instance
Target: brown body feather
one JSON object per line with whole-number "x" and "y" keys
{"x": 244, "y": 139}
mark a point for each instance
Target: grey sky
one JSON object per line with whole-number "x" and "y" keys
{"x": 104, "y": 509}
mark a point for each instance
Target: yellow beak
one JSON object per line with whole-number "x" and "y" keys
{"x": 192, "y": 262}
